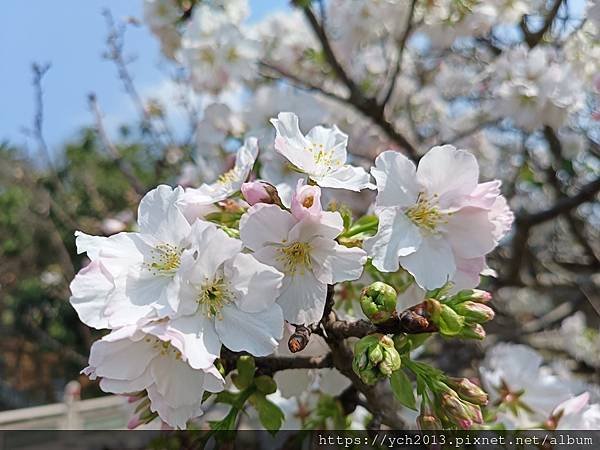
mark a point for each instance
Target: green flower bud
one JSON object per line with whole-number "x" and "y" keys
{"x": 378, "y": 302}
{"x": 468, "y": 391}
{"x": 429, "y": 422}
{"x": 265, "y": 384}
{"x": 245, "y": 368}
{"x": 375, "y": 357}
{"x": 474, "y": 295}
{"x": 450, "y": 323}
{"x": 472, "y": 331}
{"x": 475, "y": 312}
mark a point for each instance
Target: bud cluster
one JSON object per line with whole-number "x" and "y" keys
{"x": 462, "y": 314}
{"x": 378, "y": 302}
{"x": 457, "y": 404}
{"x": 375, "y": 357}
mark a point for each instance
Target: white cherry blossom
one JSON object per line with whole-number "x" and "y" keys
{"x": 321, "y": 154}
{"x": 153, "y": 358}
{"x": 434, "y": 218}
{"x": 305, "y": 250}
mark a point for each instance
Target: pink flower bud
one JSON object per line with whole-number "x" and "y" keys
{"x": 134, "y": 422}
{"x": 306, "y": 201}
{"x": 260, "y": 192}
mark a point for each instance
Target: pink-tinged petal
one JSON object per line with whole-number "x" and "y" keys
{"x": 256, "y": 192}
{"x": 396, "y": 236}
{"x": 470, "y": 232}
{"x": 450, "y": 173}
{"x": 306, "y": 201}
{"x": 263, "y": 224}
{"x": 468, "y": 271}
{"x": 395, "y": 175}
{"x": 334, "y": 263}
{"x": 90, "y": 290}
{"x": 302, "y": 298}
{"x": 256, "y": 285}
{"x": 255, "y": 333}
{"x": 159, "y": 216}
{"x": 432, "y": 264}
{"x": 573, "y": 405}
{"x": 291, "y": 143}
{"x": 346, "y": 177}
{"x": 484, "y": 195}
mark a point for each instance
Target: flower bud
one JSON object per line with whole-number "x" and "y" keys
{"x": 468, "y": 391}
{"x": 265, "y": 384}
{"x": 449, "y": 322}
{"x": 134, "y": 422}
{"x": 472, "y": 331}
{"x": 475, "y": 312}
{"x": 474, "y": 295}
{"x": 461, "y": 413}
{"x": 260, "y": 192}
{"x": 375, "y": 357}
{"x": 378, "y": 302}
{"x": 306, "y": 201}
{"x": 429, "y": 422}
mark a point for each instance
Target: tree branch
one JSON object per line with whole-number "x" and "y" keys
{"x": 534, "y": 38}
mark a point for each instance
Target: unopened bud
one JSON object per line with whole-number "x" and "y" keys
{"x": 474, "y": 312}
{"x": 460, "y": 412}
{"x": 265, "y": 384}
{"x": 134, "y": 422}
{"x": 468, "y": 391}
{"x": 449, "y": 323}
{"x": 378, "y": 302}
{"x": 375, "y": 357}
{"x": 474, "y": 295}
{"x": 260, "y": 192}
{"x": 472, "y": 331}
{"x": 429, "y": 422}
{"x": 306, "y": 201}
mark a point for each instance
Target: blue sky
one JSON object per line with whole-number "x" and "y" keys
{"x": 70, "y": 34}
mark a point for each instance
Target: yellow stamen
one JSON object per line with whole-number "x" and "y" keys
{"x": 165, "y": 259}
{"x": 213, "y": 296}
{"x": 425, "y": 213}
{"x": 295, "y": 256}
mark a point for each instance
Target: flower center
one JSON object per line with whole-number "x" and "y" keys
{"x": 322, "y": 156}
{"x": 425, "y": 213}
{"x": 213, "y": 296}
{"x": 165, "y": 259}
{"x": 164, "y": 348}
{"x": 294, "y": 256}
{"x": 228, "y": 177}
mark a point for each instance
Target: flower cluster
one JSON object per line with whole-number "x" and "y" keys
{"x": 205, "y": 269}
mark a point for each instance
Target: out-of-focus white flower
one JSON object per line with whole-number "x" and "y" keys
{"x": 321, "y": 154}
{"x": 162, "y": 17}
{"x": 437, "y": 212}
{"x": 534, "y": 88}
{"x": 514, "y": 377}
{"x": 579, "y": 340}
{"x": 306, "y": 252}
{"x": 577, "y": 414}
{"x": 228, "y": 298}
{"x": 215, "y": 50}
{"x": 153, "y": 358}
{"x": 134, "y": 275}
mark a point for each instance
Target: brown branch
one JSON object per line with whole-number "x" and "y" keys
{"x": 534, "y": 38}
{"x": 401, "y": 47}
{"x": 272, "y": 364}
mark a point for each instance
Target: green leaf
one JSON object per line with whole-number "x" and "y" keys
{"x": 402, "y": 388}
{"x": 265, "y": 384}
{"x": 246, "y": 368}
{"x": 271, "y": 417}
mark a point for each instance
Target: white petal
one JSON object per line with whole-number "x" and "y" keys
{"x": 257, "y": 285}
{"x": 334, "y": 263}
{"x": 470, "y": 232}
{"x": 452, "y": 174}
{"x": 119, "y": 252}
{"x": 346, "y": 177}
{"x": 396, "y": 236}
{"x": 332, "y": 142}
{"x": 121, "y": 360}
{"x": 302, "y": 298}
{"x": 176, "y": 381}
{"x": 159, "y": 216}
{"x": 467, "y": 272}
{"x": 157, "y": 291}
{"x": 328, "y": 225}
{"x": 256, "y": 333}
{"x": 126, "y": 386}
{"x": 198, "y": 340}
{"x": 293, "y": 382}
{"x": 432, "y": 264}
{"x": 290, "y": 142}
{"x": 263, "y": 224}
{"x": 395, "y": 175}
{"x": 90, "y": 290}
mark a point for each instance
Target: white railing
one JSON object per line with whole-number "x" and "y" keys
{"x": 102, "y": 413}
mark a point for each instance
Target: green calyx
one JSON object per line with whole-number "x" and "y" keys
{"x": 378, "y": 302}
{"x": 375, "y": 357}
